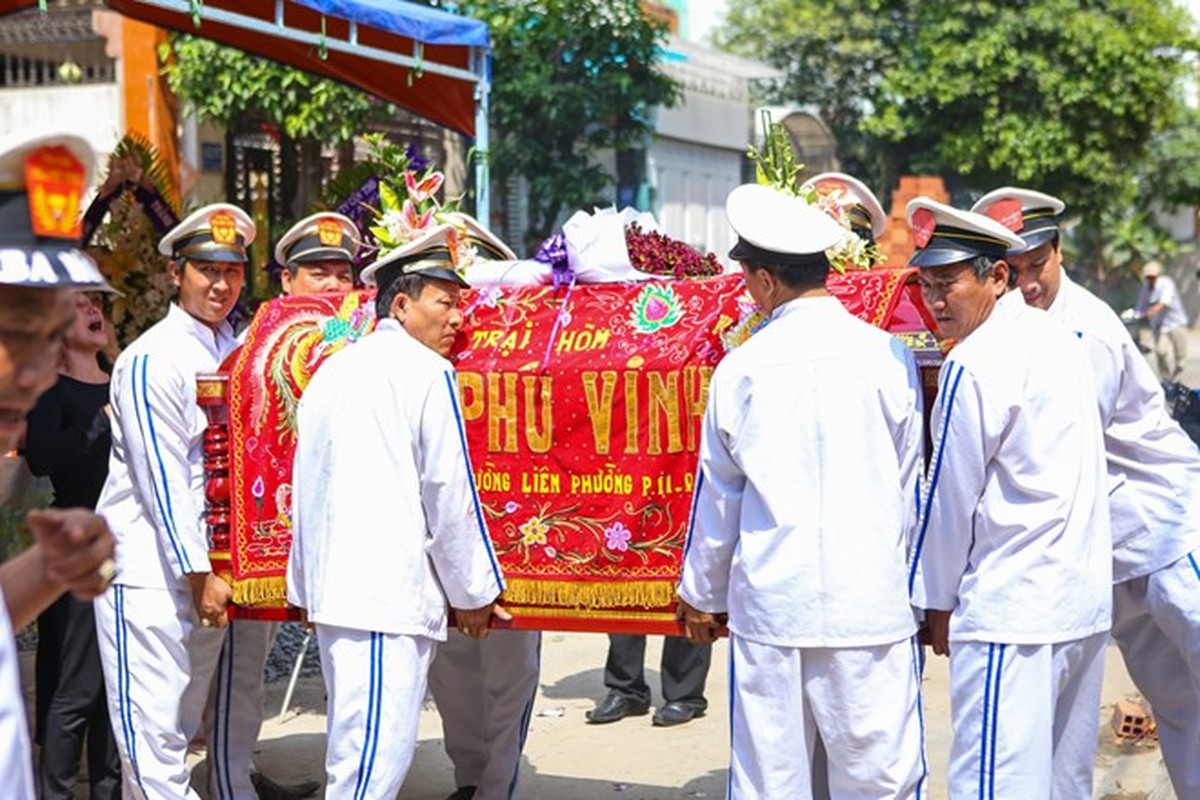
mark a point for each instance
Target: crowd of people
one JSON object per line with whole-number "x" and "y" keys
{"x": 827, "y": 539}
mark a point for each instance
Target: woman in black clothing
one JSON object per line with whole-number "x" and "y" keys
{"x": 68, "y": 440}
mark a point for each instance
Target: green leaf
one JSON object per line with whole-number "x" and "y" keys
{"x": 388, "y": 197}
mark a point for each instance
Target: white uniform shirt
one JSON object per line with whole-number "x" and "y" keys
{"x": 387, "y": 524}
{"x": 16, "y": 762}
{"x": 808, "y": 483}
{"x": 1015, "y": 535}
{"x": 153, "y": 497}
{"x": 1172, "y": 316}
{"x": 1153, "y": 467}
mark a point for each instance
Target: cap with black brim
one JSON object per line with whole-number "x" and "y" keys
{"x": 945, "y": 235}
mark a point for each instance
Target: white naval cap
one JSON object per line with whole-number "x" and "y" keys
{"x": 947, "y": 235}
{"x": 866, "y": 214}
{"x": 1032, "y": 215}
{"x": 778, "y": 228}
{"x": 439, "y": 252}
{"x": 324, "y": 236}
{"x": 217, "y": 232}
{"x": 487, "y": 245}
{"x": 42, "y": 183}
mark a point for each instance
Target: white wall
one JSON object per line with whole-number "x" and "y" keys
{"x": 92, "y": 111}
{"x": 690, "y": 183}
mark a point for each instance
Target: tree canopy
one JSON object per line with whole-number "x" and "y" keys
{"x": 1067, "y": 95}
{"x": 222, "y": 83}
{"x": 571, "y": 79}
{"x": 834, "y": 55}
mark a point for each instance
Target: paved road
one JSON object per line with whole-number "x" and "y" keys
{"x": 567, "y": 759}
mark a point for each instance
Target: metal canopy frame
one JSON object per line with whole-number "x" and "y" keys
{"x": 306, "y": 34}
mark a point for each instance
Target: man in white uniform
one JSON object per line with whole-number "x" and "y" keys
{"x": 317, "y": 255}
{"x": 484, "y": 688}
{"x": 158, "y": 628}
{"x": 388, "y": 526}
{"x": 1159, "y": 302}
{"x": 1153, "y": 487}
{"x": 40, "y": 266}
{"x": 805, "y": 501}
{"x": 1012, "y": 561}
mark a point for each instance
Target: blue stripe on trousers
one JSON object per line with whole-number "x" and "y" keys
{"x": 995, "y": 723}
{"x": 378, "y": 711}
{"x": 991, "y": 722}
{"x": 220, "y": 748}
{"x": 366, "y": 762}
{"x": 124, "y": 701}
{"x": 983, "y": 734}
{"x": 362, "y": 757}
{"x": 917, "y": 670}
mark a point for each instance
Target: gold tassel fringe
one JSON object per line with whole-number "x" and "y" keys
{"x": 589, "y": 594}
{"x": 252, "y": 592}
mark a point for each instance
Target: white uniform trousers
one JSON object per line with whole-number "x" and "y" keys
{"x": 1156, "y": 622}
{"x": 1026, "y": 718}
{"x": 158, "y": 663}
{"x": 484, "y": 690}
{"x": 375, "y": 684}
{"x": 235, "y": 707}
{"x": 863, "y": 702}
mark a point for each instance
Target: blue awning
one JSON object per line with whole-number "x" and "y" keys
{"x": 422, "y": 23}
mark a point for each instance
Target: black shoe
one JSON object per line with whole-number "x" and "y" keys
{"x": 267, "y": 789}
{"x": 462, "y": 793}
{"x": 676, "y": 713}
{"x": 616, "y": 706}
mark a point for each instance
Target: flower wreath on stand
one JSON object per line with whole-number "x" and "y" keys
{"x": 125, "y": 244}
{"x": 409, "y": 204}
{"x": 776, "y": 166}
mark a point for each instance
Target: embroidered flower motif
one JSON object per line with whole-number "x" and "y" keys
{"x": 656, "y": 307}
{"x": 511, "y": 507}
{"x": 533, "y": 531}
{"x": 550, "y": 551}
{"x": 617, "y": 537}
{"x": 489, "y": 297}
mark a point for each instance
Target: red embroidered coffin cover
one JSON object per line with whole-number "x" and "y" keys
{"x": 582, "y": 407}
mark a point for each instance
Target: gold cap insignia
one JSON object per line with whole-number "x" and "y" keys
{"x": 224, "y": 228}
{"x": 55, "y": 181}
{"x": 329, "y": 232}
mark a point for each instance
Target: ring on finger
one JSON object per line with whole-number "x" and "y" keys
{"x": 107, "y": 570}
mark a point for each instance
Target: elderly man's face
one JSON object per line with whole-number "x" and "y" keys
{"x": 1039, "y": 274}
{"x": 433, "y": 319}
{"x": 208, "y": 290}
{"x": 318, "y": 277}
{"x": 33, "y": 325}
{"x": 960, "y": 300}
